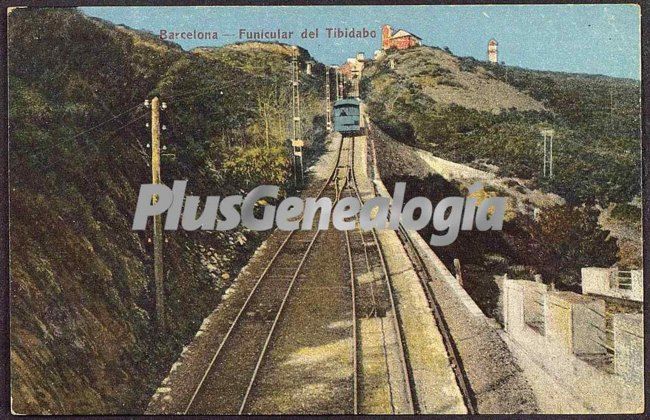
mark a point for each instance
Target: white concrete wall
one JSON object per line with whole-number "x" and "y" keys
{"x": 513, "y": 306}
{"x": 603, "y": 281}
{"x": 595, "y": 280}
{"x": 591, "y": 388}
{"x": 589, "y": 328}
{"x": 637, "y": 286}
{"x": 558, "y": 323}
{"x": 574, "y": 324}
{"x": 628, "y": 347}
{"x": 535, "y": 304}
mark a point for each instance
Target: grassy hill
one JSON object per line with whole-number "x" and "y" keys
{"x": 491, "y": 115}
{"x": 82, "y": 331}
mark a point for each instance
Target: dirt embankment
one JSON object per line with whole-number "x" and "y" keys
{"x": 441, "y": 77}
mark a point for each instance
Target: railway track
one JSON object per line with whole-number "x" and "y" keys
{"x": 425, "y": 279}
{"x": 247, "y": 341}
{"x": 452, "y": 351}
{"x": 372, "y": 297}
{"x": 229, "y": 382}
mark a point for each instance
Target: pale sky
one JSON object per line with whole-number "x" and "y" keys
{"x": 596, "y": 39}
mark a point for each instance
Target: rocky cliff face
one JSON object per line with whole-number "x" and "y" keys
{"x": 83, "y": 337}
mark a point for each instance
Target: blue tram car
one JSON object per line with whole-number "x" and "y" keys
{"x": 347, "y": 117}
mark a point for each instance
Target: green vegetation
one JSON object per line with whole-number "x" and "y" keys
{"x": 83, "y": 337}
{"x": 597, "y": 153}
{"x": 597, "y": 158}
{"x": 627, "y": 212}
{"x": 563, "y": 241}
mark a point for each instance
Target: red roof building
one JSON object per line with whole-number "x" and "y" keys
{"x": 401, "y": 39}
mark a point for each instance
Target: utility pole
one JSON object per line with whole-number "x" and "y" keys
{"x": 544, "y": 134}
{"x": 551, "y": 154}
{"x": 336, "y": 82}
{"x": 297, "y": 143}
{"x": 328, "y": 105}
{"x": 611, "y": 109}
{"x": 338, "y": 86}
{"x": 548, "y": 135}
{"x": 157, "y": 220}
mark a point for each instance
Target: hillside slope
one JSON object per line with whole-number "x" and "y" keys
{"x": 82, "y": 299}
{"x": 490, "y": 116}
{"x": 441, "y": 78}
{"x": 455, "y": 110}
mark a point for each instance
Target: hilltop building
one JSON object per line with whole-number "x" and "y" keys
{"x": 400, "y": 39}
{"x": 352, "y": 69}
{"x": 492, "y": 52}
{"x": 353, "y": 66}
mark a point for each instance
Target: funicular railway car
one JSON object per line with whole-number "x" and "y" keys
{"x": 347, "y": 117}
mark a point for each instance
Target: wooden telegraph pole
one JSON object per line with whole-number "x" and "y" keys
{"x": 297, "y": 142}
{"x": 157, "y": 220}
{"x": 328, "y": 110}
{"x": 551, "y": 133}
{"x": 545, "y": 149}
{"x": 338, "y": 87}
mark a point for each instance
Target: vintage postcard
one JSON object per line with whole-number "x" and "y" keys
{"x": 426, "y": 209}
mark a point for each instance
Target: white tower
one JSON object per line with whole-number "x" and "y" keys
{"x": 492, "y": 53}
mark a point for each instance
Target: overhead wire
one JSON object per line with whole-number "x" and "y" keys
{"x": 188, "y": 93}
{"x": 183, "y": 95}
{"x": 203, "y": 90}
{"x": 104, "y": 122}
{"x": 83, "y": 148}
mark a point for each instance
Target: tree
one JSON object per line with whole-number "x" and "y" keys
{"x": 563, "y": 241}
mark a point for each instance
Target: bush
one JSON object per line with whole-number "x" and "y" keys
{"x": 562, "y": 242}
{"x": 627, "y": 212}
{"x": 258, "y": 165}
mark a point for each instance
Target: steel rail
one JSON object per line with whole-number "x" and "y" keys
{"x": 367, "y": 259}
{"x": 370, "y": 270}
{"x": 373, "y": 311}
{"x": 269, "y": 336}
{"x": 255, "y": 287}
{"x": 450, "y": 346}
{"x": 355, "y": 386}
{"x": 411, "y": 397}
{"x": 275, "y": 322}
{"x": 448, "y": 341}
{"x": 355, "y": 346}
